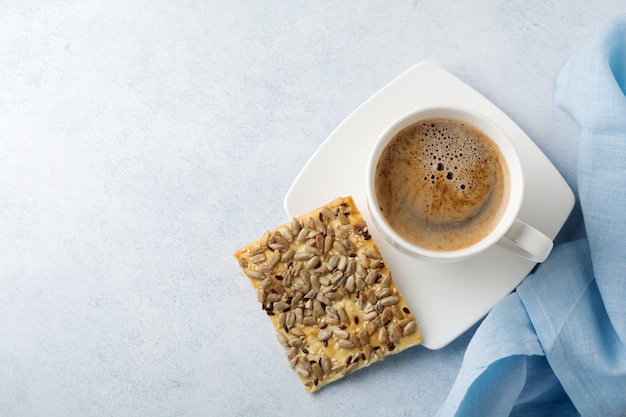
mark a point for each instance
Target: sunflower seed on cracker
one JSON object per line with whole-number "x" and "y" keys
{"x": 324, "y": 285}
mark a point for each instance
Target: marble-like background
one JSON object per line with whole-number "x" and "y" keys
{"x": 143, "y": 142}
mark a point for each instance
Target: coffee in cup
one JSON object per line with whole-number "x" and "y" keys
{"x": 445, "y": 183}
{"x": 442, "y": 184}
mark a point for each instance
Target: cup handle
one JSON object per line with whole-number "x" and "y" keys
{"x": 527, "y": 242}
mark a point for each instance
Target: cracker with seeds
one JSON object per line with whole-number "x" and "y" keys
{"x": 323, "y": 283}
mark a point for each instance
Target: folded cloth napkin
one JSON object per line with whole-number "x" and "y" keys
{"x": 557, "y": 345}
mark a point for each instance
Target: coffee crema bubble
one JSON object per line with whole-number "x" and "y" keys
{"x": 441, "y": 184}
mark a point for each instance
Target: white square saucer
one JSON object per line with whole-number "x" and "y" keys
{"x": 446, "y": 299}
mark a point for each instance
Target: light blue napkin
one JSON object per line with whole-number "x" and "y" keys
{"x": 557, "y": 346}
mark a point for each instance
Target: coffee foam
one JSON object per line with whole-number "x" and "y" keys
{"x": 440, "y": 183}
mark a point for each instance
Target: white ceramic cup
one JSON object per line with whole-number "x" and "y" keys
{"x": 510, "y": 232}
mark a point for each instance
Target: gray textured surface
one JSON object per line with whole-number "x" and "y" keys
{"x": 142, "y": 143}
